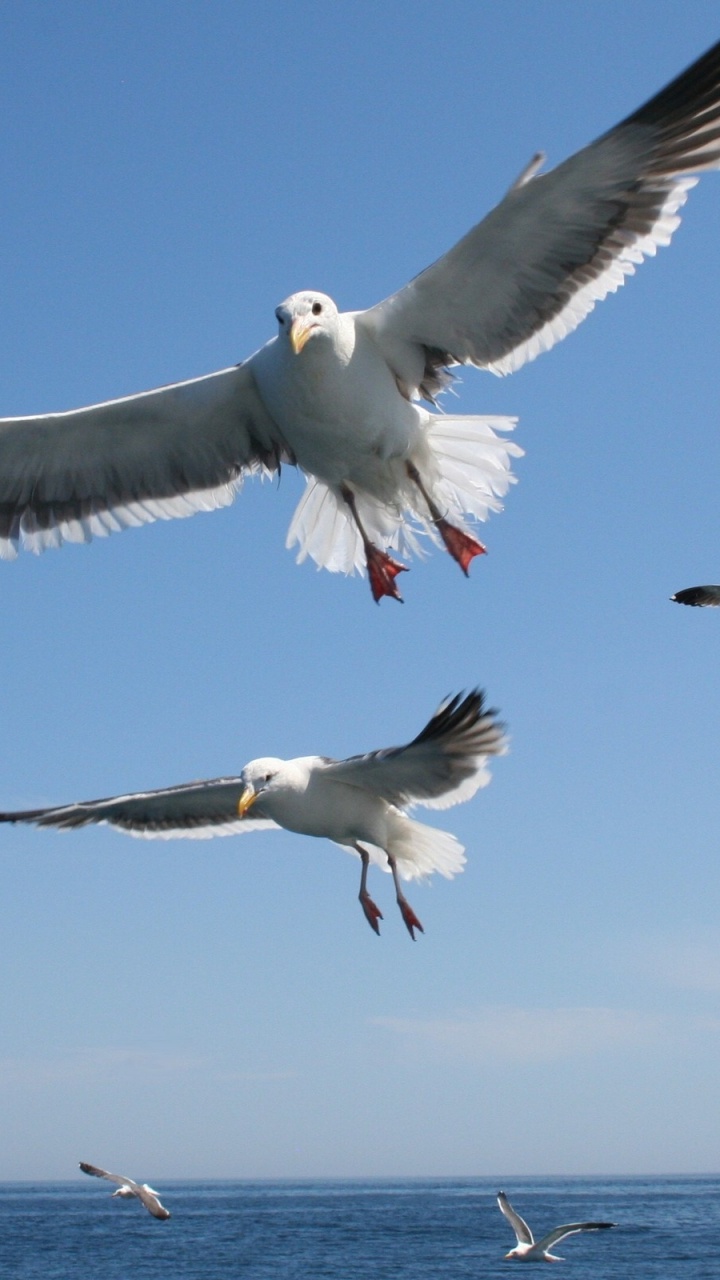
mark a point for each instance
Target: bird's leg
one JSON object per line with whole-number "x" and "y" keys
{"x": 461, "y": 545}
{"x": 372, "y": 912}
{"x": 382, "y": 569}
{"x": 406, "y": 910}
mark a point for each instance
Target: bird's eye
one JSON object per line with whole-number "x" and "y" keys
{"x": 268, "y": 776}
{"x": 317, "y": 308}
{"x": 279, "y": 317}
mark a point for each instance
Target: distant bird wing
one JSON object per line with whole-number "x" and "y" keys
{"x": 531, "y": 271}
{"x": 94, "y": 1172}
{"x": 151, "y": 1200}
{"x": 66, "y": 477}
{"x": 197, "y": 810}
{"x": 574, "y": 1227}
{"x": 442, "y": 766}
{"x": 701, "y": 596}
{"x": 518, "y": 1224}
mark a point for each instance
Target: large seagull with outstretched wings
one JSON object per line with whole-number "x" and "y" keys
{"x": 340, "y": 394}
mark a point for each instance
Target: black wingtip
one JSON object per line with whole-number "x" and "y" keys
{"x": 698, "y": 596}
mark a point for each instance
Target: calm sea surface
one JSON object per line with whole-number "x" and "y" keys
{"x": 448, "y": 1228}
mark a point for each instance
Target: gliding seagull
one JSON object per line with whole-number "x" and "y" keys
{"x": 337, "y": 393}
{"x": 527, "y": 1249}
{"x": 127, "y": 1188}
{"x": 357, "y": 802}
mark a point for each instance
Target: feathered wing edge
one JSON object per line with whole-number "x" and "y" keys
{"x": 473, "y": 464}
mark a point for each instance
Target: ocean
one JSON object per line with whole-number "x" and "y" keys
{"x": 356, "y": 1230}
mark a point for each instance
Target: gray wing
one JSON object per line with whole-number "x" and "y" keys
{"x": 197, "y": 810}
{"x": 699, "y": 596}
{"x": 535, "y": 267}
{"x": 66, "y": 477}
{"x": 518, "y": 1224}
{"x": 94, "y": 1172}
{"x": 559, "y": 1233}
{"x": 151, "y": 1200}
{"x": 442, "y": 766}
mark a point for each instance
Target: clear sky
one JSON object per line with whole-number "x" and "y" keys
{"x": 220, "y": 1008}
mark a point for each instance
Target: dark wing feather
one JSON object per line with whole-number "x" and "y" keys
{"x": 164, "y": 453}
{"x": 443, "y": 765}
{"x": 197, "y": 810}
{"x": 532, "y": 270}
{"x": 699, "y": 596}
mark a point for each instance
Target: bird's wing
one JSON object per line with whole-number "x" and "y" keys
{"x": 197, "y": 810}
{"x": 94, "y": 1172}
{"x": 559, "y": 1233}
{"x": 442, "y": 766}
{"x": 151, "y": 1200}
{"x": 65, "y": 477}
{"x": 518, "y": 1224}
{"x": 699, "y": 596}
{"x": 528, "y": 274}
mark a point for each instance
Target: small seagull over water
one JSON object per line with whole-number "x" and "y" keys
{"x": 527, "y": 1249}
{"x": 338, "y": 394}
{"x": 357, "y": 802}
{"x": 128, "y": 1189}
{"x": 702, "y": 597}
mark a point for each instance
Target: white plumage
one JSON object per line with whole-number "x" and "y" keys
{"x": 128, "y": 1189}
{"x": 527, "y": 1248}
{"x": 339, "y": 394}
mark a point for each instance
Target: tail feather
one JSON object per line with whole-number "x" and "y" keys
{"x": 466, "y": 465}
{"x": 421, "y": 850}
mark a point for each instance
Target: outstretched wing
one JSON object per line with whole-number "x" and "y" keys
{"x": 66, "y": 477}
{"x": 559, "y": 1233}
{"x": 527, "y": 275}
{"x": 518, "y": 1224}
{"x": 442, "y": 766}
{"x": 197, "y": 810}
{"x": 151, "y": 1200}
{"x": 699, "y": 596}
{"x": 94, "y": 1172}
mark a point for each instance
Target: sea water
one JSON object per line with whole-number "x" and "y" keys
{"x": 357, "y": 1230}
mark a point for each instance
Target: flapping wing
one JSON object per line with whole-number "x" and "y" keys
{"x": 527, "y": 275}
{"x": 66, "y": 477}
{"x": 518, "y": 1224}
{"x": 560, "y": 1233}
{"x": 442, "y": 766}
{"x": 196, "y": 810}
{"x": 151, "y": 1200}
{"x": 94, "y": 1172}
{"x": 698, "y": 596}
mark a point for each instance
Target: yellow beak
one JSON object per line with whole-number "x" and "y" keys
{"x": 300, "y": 330}
{"x": 247, "y": 800}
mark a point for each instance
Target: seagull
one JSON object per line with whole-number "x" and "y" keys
{"x": 357, "y": 802}
{"x": 701, "y": 596}
{"x": 527, "y": 1249}
{"x": 344, "y": 395}
{"x": 127, "y": 1188}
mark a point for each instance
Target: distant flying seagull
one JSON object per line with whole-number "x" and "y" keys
{"x": 337, "y": 393}
{"x": 128, "y": 1188}
{"x": 701, "y": 596}
{"x": 527, "y": 1249}
{"x": 356, "y": 802}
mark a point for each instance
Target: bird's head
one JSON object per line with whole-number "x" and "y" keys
{"x": 304, "y": 316}
{"x": 259, "y": 777}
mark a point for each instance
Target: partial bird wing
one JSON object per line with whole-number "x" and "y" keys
{"x": 518, "y": 1224}
{"x": 197, "y": 810}
{"x": 559, "y": 1233}
{"x": 65, "y": 477}
{"x": 442, "y": 766}
{"x": 699, "y": 596}
{"x": 151, "y": 1200}
{"x": 94, "y": 1172}
{"x": 531, "y": 271}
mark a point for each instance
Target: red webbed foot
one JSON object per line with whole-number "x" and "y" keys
{"x": 462, "y": 546}
{"x": 409, "y": 917}
{"x": 372, "y": 912}
{"x": 382, "y": 572}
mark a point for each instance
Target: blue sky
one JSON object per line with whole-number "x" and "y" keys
{"x": 221, "y": 1008}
